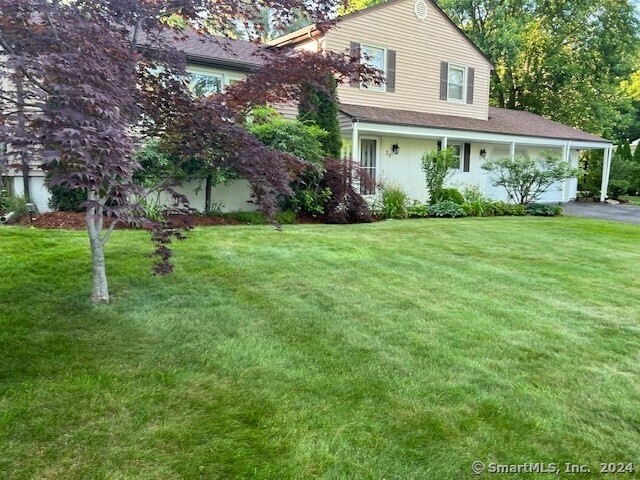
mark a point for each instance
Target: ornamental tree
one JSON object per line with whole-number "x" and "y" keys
{"x": 525, "y": 179}
{"x": 78, "y": 92}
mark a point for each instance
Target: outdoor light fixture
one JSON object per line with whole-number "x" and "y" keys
{"x": 395, "y": 148}
{"x": 483, "y": 153}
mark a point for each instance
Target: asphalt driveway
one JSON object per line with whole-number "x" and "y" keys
{"x": 620, "y": 213}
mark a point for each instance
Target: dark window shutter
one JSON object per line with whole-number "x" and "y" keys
{"x": 466, "y": 159}
{"x": 354, "y": 81}
{"x": 471, "y": 73}
{"x": 444, "y": 80}
{"x": 391, "y": 71}
{"x": 439, "y": 145}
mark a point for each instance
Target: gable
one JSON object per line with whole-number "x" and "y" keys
{"x": 422, "y": 46}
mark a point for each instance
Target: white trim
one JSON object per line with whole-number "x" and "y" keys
{"x": 464, "y": 82}
{"x": 383, "y": 86}
{"x": 355, "y": 142}
{"x": 438, "y": 133}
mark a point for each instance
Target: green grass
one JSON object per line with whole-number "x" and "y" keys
{"x": 630, "y": 199}
{"x": 397, "y": 350}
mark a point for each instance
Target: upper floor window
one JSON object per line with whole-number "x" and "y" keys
{"x": 377, "y": 58}
{"x": 456, "y": 83}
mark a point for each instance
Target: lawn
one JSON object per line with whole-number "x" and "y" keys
{"x": 631, "y": 200}
{"x": 395, "y": 350}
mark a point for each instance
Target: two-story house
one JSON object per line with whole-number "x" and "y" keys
{"x": 436, "y": 95}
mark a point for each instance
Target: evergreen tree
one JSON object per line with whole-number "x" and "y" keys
{"x": 321, "y": 108}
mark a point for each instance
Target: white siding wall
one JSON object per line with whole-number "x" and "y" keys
{"x": 39, "y": 192}
{"x": 232, "y": 197}
{"x": 405, "y": 169}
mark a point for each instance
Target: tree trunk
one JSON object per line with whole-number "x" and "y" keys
{"x": 207, "y": 193}
{"x": 26, "y": 170}
{"x": 100, "y": 292}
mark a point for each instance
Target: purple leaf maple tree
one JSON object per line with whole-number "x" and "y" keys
{"x": 84, "y": 80}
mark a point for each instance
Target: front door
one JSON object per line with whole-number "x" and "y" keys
{"x": 368, "y": 148}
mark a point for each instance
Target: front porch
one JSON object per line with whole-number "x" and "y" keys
{"x": 393, "y": 154}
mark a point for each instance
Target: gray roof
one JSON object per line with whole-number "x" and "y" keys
{"x": 217, "y": 51}
{"x": 501, "y": 121}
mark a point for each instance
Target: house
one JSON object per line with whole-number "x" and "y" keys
{"x": 436, "y": 95}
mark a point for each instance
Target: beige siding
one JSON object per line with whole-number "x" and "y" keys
{"x": 420, "y": 46}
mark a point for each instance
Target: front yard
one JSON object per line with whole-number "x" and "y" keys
{"x": 397, "y": 350}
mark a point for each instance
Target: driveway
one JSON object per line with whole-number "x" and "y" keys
{"x": 620, "y": 213}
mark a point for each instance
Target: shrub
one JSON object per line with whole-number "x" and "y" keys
{"x": 450, "y": 194}
{"x": 472, "y": 193}
{"x": 417, "y": 210}
{"x": 286, "y": 217}
{"x": 4, "y": 199}
{"x": 249, "y": 218}
{"x": 446, "y": 208}
{"x": 346, "y": 205}
{"x": 526, "y": 179}
{"x": 475, "y": 208}
{"x": 436, "y": 165}
{"x": 500, "y": 209}
{"x": 394, "y": 202}
{"x": 540, "y": 210}
{"x": 19, "y": 206}
{"x": 66, "y": 199}
{"x": 618, "y": 187}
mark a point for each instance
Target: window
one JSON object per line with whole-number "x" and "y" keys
{"x": 457, "y": 157}
{"x": 203, "y": 85}
{"x": 456, "y": 82}
{"x": 377, "y": 58}
{"x": 368, "y": 149}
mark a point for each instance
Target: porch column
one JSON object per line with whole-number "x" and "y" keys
{"x": 512, "y": 150}
{"x": 606, "y": 170}
{"x": 566, "y": 156}
{"x": 445, "y": 142}
{"x": 355, "y": 147}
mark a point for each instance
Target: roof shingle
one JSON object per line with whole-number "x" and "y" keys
{"x": 501, "y": 121}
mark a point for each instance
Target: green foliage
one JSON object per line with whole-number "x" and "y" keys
{"x": 20, "y": 206}
{"x": 526, "y": 179}
{"x": 500, "y": 208}
{"x": 541, "y": 210}
{"x": 452, "y": 194}
{"x": 4, "y": 199}
{"x": 541, "y": 49}
{"x": 66, "y": 199}
{"x": 636, "y": 155}
{"x": 394, "y": 202}
{"x": 618, "y": 187}
{"x": 446, "y": 208}
{"x": 436, "y": 165}
{"x": 590, "y": 179}
{"x": 303, "y": 141}
{"x": 320, "y": 108}
{"x": 286, "y": 217}
{"x": 418, "y": 210}
{"x": 249, "y": 218}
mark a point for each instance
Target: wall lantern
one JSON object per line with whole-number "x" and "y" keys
{"x": 395, "y": 148}
{"x": 483, "y": 153}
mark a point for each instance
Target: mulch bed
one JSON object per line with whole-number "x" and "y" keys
{"x": 76, "y": 221}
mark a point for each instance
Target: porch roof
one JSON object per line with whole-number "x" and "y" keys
{"x": 501, "y": 121}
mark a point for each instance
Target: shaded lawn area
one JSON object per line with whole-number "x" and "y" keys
{"x": 397, "y": 350}
{"x": 631, "y": 200}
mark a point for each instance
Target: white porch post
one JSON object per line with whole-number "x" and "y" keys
{"x": 566, "y": 156}
{"x": 445, "y": 142}
{"x": 355, "y": 142}
{"x": 606, "y": 170}
{"x": 512, "y": 150}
